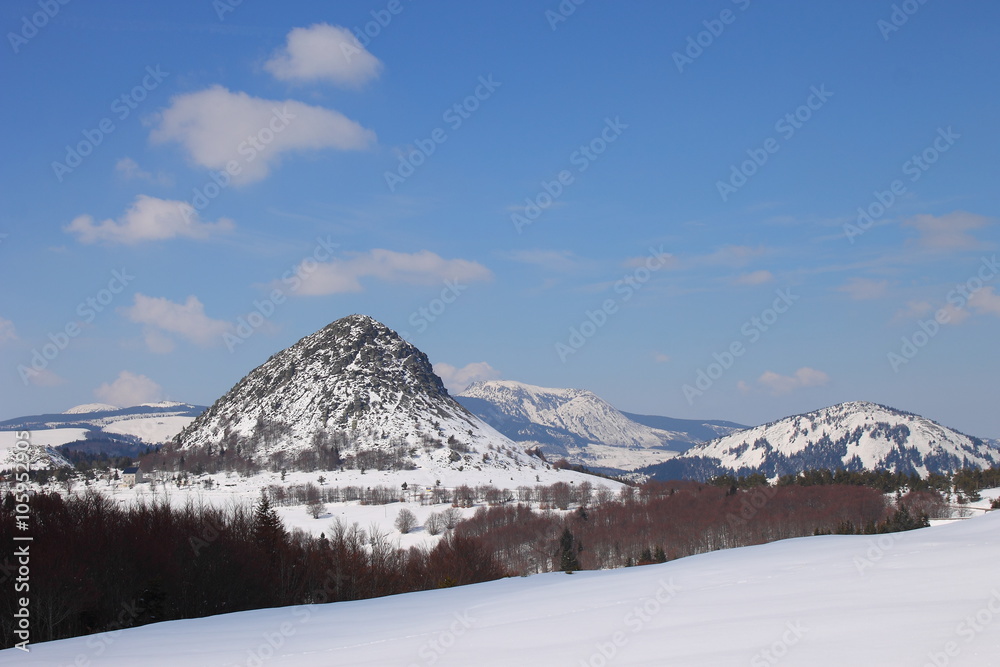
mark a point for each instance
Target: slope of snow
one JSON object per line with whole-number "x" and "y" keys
{"x": 152, "y": 430}
{"x": 854, "y": 435}
{"x": 923, "y": 597}
{"x": 90, "y": 407}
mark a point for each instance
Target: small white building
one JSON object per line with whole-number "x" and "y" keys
{"x": 132, "y": 476}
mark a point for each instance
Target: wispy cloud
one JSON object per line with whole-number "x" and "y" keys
{"x": 950, "y": 232}
{"x": 863, "y": 289}
{"x": 778, "y": 384}
{"x": 7, "y": 331}
{"x": 760, "y": 277}
{"x": 148, "y": 219}
{"x": 187, "y": 320}
{"x": 419, "y": 268}
{"x": 985, "y": 301}
{"x": 130, "y": 170}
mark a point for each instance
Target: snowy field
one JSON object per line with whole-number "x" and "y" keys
{"x": 926, "y": 597}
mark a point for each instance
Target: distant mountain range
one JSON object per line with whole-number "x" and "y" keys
{"x": 853, "y": 436}
{"x": 356, "y": 391}
{"x": 581, "y": 427}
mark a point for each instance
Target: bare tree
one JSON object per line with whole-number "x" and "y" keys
{"x": 315, "y": 508}
{"x": 451, "y": 517}
{"x": 435, "y": 524}
{"x": 406, "y": 521}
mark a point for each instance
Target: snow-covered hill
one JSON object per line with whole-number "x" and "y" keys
{"x": 574, "y": 424}
{"x": 117, "y": 428}
{"x": 925, "y": 597}
{"x": 854, "y": 436}
{"x": 87, "y": 408}
{"x": 356, "y": 386}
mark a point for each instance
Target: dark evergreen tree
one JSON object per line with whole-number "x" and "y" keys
{"x": 566, "y": 556}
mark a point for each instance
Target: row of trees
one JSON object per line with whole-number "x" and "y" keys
{"x": 660, "y": 521}
{"x": 99, "y": 566}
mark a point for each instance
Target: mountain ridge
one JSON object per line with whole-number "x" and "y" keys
{"x": 854, "y": 435}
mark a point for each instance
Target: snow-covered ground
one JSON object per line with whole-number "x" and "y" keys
{"x": 150, "y": 429}
{"x": 923, "y": 597}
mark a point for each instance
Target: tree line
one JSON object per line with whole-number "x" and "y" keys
{"x": 99, "y": 566}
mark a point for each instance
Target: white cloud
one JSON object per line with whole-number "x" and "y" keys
{"x": 862, "y": 289}
{"x": 985, "y": 301}
{"x": 148, "y": 219}
{"x": 7, "y": 330}
{"x": 218, "y": 127}
{"x": 420, "y": 268}
{"x": 783, "y": 384}
{"x": 323, "y": 52}
{"x": 129, "y": 169}
{"x": 43, "y": 377}
{"x": 457, "y": 379}
{"x": 187, "y": 320}
{"x": 952, "y": 314}
{"x": 129, "y": 389}
{"x": 950, "y": 231}
{"x": 913, "y": 309}
{"x": 755, "y": 278}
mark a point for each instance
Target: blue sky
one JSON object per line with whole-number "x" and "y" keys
{"x": 655, "y": 201}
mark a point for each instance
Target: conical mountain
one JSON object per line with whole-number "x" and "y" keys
{"x": 353, "y": 389}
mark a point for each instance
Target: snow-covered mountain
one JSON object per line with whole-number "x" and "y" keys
{"x": 356, "y": 386}
{"x": 853, "y": 436}
{"x": 577, "y": 425}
